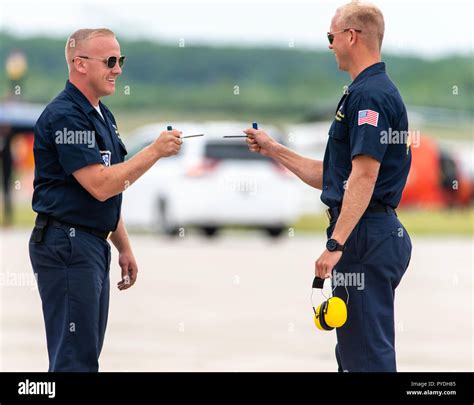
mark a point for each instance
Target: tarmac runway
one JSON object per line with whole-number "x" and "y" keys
{"x": 242, "y": 303}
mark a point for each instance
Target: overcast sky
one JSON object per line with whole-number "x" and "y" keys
{"x": 421, "y": 27}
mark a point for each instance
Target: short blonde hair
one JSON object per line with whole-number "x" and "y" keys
{"x": 366, "y": 17}
{"x": 76, "y": 38}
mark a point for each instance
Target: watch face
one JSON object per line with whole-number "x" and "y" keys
{"x": 331, "y": 245}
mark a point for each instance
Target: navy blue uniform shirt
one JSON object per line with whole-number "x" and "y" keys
{"x": 371, "y": 119}
{"x": 69, "y": 135}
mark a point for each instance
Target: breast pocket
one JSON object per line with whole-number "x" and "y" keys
{"x": 340, "y": 149}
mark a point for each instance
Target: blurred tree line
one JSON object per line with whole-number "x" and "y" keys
{"x": 272, "y": 82}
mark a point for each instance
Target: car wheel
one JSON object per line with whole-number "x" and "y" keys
{"x": 163, "y": 223}
{"x": 274, "y": 231}
{"x": 210, "y": 231}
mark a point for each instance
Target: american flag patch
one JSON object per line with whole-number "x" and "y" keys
{"x": 368, "y": 117}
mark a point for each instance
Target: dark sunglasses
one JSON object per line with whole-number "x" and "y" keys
{"x": 111, "y": 61}
{"x": 331, "y": 34}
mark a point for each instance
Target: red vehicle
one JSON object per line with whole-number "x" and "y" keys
{"x": 436, "y": 179}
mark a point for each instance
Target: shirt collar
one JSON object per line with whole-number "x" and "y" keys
{"x": 369, "y": 71}
{"x": 79, "y": 97}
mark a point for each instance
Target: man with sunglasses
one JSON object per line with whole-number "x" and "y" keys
{"x": 80, "y": 175}
{"x": 362, "y": 178}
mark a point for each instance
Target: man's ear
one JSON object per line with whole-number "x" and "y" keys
{"x": 79, "y": 65}
{"x": 353, "y": 39}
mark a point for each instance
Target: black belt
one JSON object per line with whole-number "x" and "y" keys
{"x": 334, "y": 212}
{"x": 42, "y": 221}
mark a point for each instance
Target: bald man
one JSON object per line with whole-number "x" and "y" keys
{"x": 80, "y": 175}
{"x": 362, "y": 178}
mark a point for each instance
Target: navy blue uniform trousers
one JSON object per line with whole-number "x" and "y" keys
{"x": 72, "y": 270}
{"x": 379, "y": 248}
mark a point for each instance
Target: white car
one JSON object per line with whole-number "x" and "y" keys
{"x": 213, "y": 182}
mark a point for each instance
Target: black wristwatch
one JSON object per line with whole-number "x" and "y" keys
{"x": 332, "y": 245}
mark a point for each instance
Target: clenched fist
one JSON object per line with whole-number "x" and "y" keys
{"x": 168, "y": 143}
{"x": 259, "y": 141}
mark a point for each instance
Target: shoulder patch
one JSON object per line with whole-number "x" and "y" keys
{"x": 106, "y": 156}
{"x": 368, "y": 117}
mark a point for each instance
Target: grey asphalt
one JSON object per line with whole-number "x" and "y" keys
{"x": 241, "y": 302}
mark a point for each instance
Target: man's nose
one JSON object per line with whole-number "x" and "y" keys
{"x": 330, "y": 46}
{"x": 117, "y": 70}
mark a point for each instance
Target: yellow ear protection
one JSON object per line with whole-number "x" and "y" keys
{"x": 331, "y": 313}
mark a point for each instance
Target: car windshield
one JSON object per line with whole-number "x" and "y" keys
{"x": 222, "y": 151}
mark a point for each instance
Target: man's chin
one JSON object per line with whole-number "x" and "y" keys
{"x": 108, "y": 92}
{"x": 339, "y": 65}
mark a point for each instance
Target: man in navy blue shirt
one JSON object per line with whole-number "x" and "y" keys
{"x": 80, "y": 175}
{"x": 362, "y": 177}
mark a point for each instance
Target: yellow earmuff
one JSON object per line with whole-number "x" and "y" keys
{"x": 331, "y": 313}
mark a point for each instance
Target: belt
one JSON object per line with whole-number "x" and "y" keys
{"x": 334, "y": 212}
{"x": 43, "y": 220}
